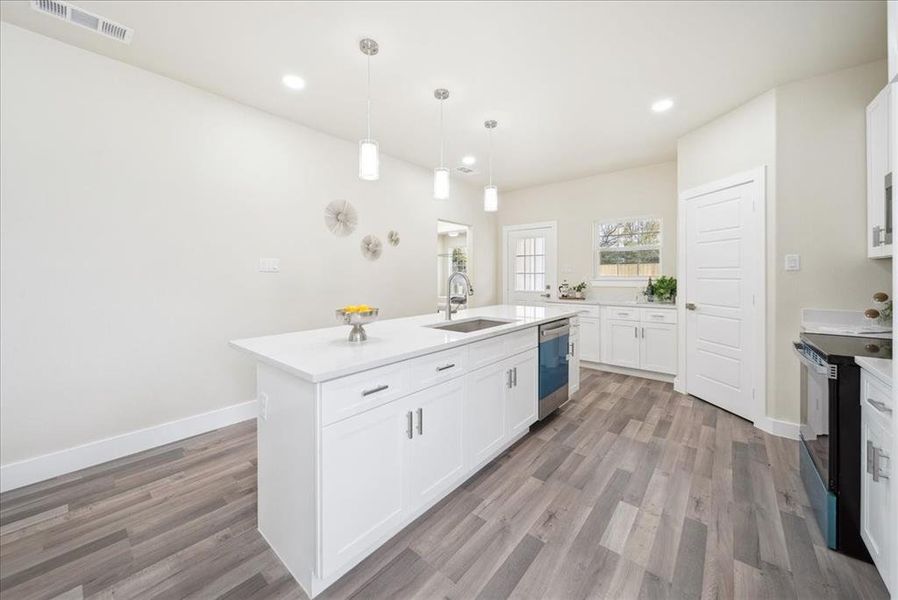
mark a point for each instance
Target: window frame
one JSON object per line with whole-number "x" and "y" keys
{"x": 624, "y": 280}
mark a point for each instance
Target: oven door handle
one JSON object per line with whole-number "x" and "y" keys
{"x": 808, "y": 362}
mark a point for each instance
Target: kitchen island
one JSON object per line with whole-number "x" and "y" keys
{"x": 356, "y": 440}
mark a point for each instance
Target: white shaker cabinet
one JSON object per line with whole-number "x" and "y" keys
{"x": 621, "y": 343}
{"x": 361, "y": 490}
{"x": 484, "y": 413}
{"x": 658, "y": 347}
{"x": 879, "y": 227}
{"x": 573, "y": 373}
{"x": 877, "y": 518}
{"x": 590, "y": 346}
{"x": 433, "y": 456}
{"x": 522, "y": 393}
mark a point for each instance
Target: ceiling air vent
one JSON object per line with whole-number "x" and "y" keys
{"x": 464, "y": 169}
{"x": 83, "y": 18}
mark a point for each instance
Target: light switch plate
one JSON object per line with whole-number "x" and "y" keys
{"x": 792, "y": 262}
{"x": 269, "y": 265}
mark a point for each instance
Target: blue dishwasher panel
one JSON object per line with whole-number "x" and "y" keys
{"x": 553, "y": 364}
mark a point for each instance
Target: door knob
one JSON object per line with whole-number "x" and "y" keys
{"x": 690, "y": 306}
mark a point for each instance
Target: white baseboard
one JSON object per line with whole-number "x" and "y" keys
{"x": 32, "y": 470}
{"x": 627, "y": 371}
{"x": 785, "y": 429}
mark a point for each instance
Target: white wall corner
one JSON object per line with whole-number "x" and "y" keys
{"x": 32, "y": 470}
{"x": 784, "y": 429}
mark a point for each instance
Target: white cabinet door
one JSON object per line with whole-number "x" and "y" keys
{"x": 590, "y": 349}
{"x": 573, "y": 375}
{"x": 876, "y": 496}
{"x": 658, "y": 347}
{"x": 621, "y": 346}
{"x": 433, "y": 457}
{"x": 361, "y": 482}
{"x": 484, "y": 412}
{"x": 878, "y": 230}
{"x": 522, "y": 398}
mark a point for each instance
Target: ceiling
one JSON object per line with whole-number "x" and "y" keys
{"x": 569, "y": 82}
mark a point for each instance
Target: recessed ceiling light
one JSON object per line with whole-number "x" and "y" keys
{"x": 469, "y": 160}
{"x": 294, "y": 82}
{"x": 662, "y": 105}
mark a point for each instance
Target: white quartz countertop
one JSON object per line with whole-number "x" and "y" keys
{"x": 321, "y": 354}
{"x": 614, "y": 303}
{"x": 879, "y": 367}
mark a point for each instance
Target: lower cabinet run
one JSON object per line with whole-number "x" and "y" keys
{"x": 332, "y": 491}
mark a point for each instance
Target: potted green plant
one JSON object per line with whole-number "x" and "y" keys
{"x": 578, "y": 291}
{"x": 665, "y": 289}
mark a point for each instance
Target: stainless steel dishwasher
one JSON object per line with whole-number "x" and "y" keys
{"x": 554, "y": 341}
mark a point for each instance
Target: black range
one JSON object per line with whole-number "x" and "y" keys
{"x": 830, "y": 449}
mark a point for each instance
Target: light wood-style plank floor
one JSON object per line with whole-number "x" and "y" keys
{"x": 631, "y": 491}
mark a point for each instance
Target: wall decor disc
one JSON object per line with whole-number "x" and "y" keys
{"x": 393, "y": 237}
{"x": 340, "y": 217}
{"x": 371, "y": 247}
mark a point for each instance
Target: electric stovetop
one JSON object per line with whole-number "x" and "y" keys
{"x": 844, "y": 348}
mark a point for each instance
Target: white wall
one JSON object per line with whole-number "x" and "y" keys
{"x": 133, "y": 213}
{"x": 578, "y": 203}
{"x": 822, "y": 208}
{"x": 810, "y": 135}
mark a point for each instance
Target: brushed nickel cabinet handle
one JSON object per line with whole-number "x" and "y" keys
{"x": 880, "y": 406}
{"x": 379, "y": 388}
{"x": 515, "y": 371}
{"x": 444, "y": 367}
{"x": 869, "y": 457}
{"x": 408, "y": 427}
{"x": 420, "y": 421}
{"x": 508, "y": 382}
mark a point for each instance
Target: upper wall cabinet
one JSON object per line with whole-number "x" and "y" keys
{"x": 879, "y": 211}
{"x": 893, "y": 39}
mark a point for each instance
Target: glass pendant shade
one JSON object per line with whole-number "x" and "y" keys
{"x": 369, "y": 160}
{"x": 490, "y": 198}
{"x": 441, "y": 184}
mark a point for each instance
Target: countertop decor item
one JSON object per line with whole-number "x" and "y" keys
{"x": 578, "y": 292}
{"x": 340, "y": 217}
{"x": 393, "y": 237}
{"x": 372, "y": 247}
{"x": 665, "y": 289}
{"x": 357, "y": 316}
{"x": 883, "y": 314}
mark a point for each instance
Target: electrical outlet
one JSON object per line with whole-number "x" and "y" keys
{"x": 792, "y": 262}
{"x": 263, "y": 406}
{"x": 269, "y": 265}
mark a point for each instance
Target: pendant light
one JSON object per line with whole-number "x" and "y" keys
{"x": 490, "y": 192}
{"x": 369, "y": 161}
{"x": 441, "y": 175}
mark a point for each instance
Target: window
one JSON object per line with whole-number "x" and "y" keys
{"x": 530, "y": 264}
{"x": 627, "y": 248}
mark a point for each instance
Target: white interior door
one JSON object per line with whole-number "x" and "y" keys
{"x": 719, "y": 281}
{"x": 529, "y": 263}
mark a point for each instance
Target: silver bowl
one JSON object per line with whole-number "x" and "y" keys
{"x": 357, "y": 320}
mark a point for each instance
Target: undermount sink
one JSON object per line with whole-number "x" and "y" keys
{"x": 469, "y": 325}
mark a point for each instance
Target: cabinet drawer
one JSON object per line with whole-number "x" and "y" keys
{"x": 877, "y": 395}
{"x": 659, "y": 315}
{"x": 347, "y": 396}
{"x": 438, "y": 367}
{"x": 620, "y": 313}
{"x": 496, "y": 348}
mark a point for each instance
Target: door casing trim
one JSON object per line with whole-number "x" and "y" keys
{"x": 758, "y": 278}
